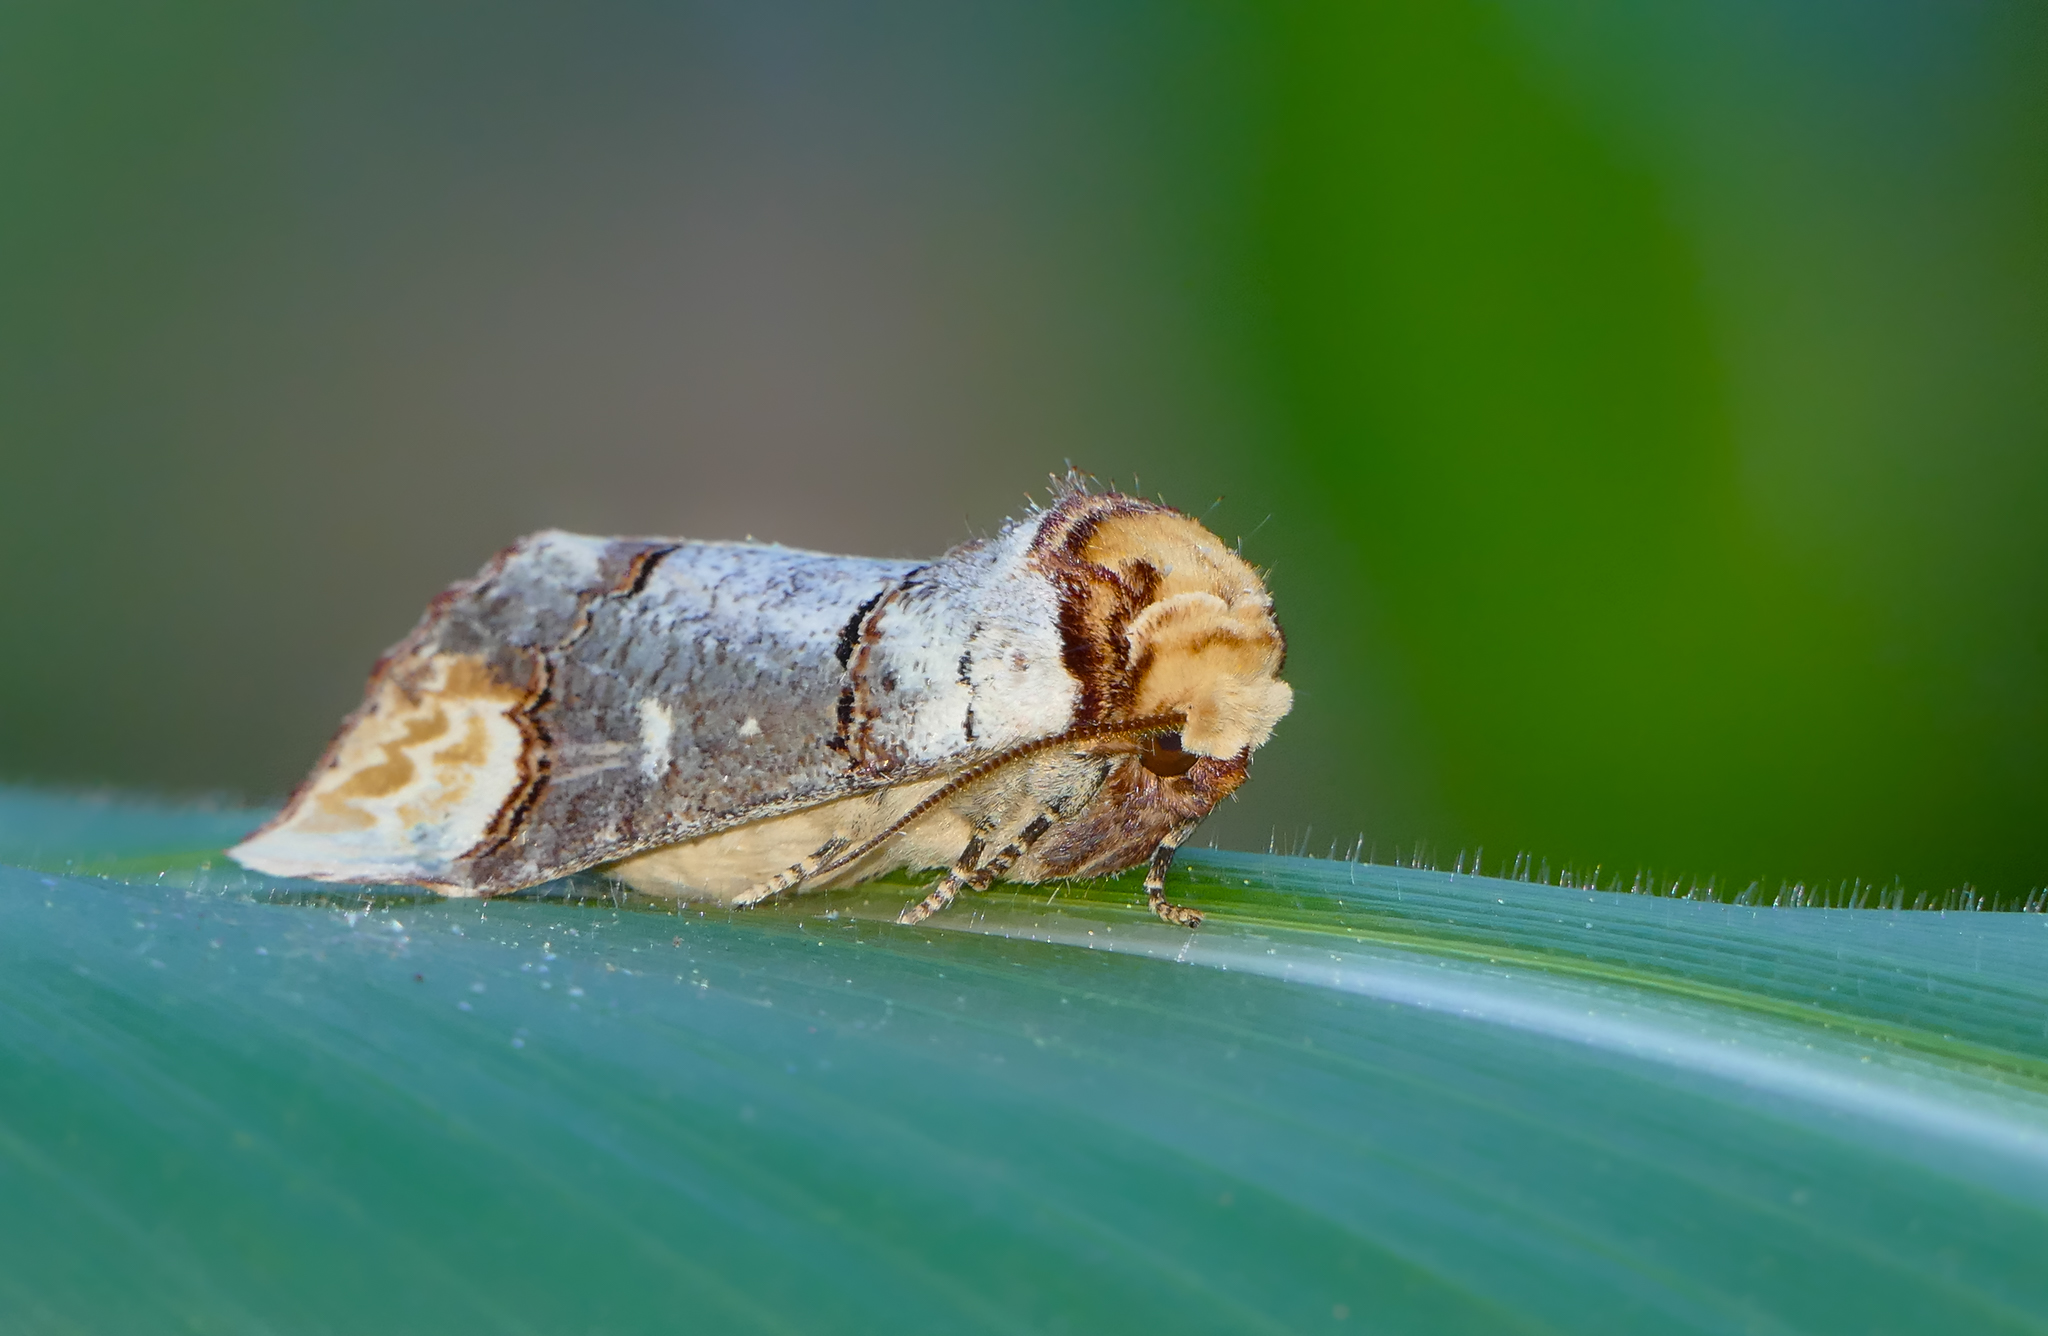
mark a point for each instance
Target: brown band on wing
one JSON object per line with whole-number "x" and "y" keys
{"x": 850, "y": 635}
{"x": 536, "y": 759}
{"x": 639, "y": 569}
{"x": 1096, "y": 601}
{"x": 855, "y": 738}
{"x": 854, "y": 635}
{"x": 535, "y": 762}
{"x": 856, "y": 717}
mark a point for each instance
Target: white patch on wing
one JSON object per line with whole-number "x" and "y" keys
{"x": 992, "y": 613}
{"x": 751, "y": 728}
{"x": 410, "y": 787}
{"x": 657, "y": 730}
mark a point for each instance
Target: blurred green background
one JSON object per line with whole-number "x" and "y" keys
{"x": 1643, "y": 411}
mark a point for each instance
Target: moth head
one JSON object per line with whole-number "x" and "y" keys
{"x": 1171, "y": 621}
{"x": 1215, "y": 661}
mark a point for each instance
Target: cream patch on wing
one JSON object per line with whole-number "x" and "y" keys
{"x": 410, "y": 787}
{"x": 726, "y": 865}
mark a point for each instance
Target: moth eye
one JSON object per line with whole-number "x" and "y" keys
{"x": 1163, "y": 757}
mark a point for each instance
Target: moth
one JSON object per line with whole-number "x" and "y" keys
{"x": 732, "y": 722}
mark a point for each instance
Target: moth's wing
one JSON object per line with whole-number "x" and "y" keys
{"x": 579, "y": 701}
{"x": 442, "y": 745}
{"x": 702, "y": 694}
{"x": 585, "y": 700}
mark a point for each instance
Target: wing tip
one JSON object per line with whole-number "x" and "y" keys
{"x": 280, "y": 852}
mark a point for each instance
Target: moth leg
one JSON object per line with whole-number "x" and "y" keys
{"x": 947, "y": 887}
{"x": 790, "y": 877}
{"x": 965, "y": 876}
{"x": 995, "y": 867}
{"x": 1155, "y": 880}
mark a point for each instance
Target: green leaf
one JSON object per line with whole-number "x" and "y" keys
{"x": 1357, "y": 1098}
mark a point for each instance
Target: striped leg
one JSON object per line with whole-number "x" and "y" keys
{"x": 792, "y": 877}
{"x": 1155, "y": 880}
{"x": 964, "y": 875}
{"x": 947, "y": 887}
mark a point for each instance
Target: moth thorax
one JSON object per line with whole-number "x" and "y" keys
{"x": 1203, "y": 643}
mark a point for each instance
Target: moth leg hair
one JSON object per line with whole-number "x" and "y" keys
{"x": 964, "y": 875}
{"x": 1155, "y": 880}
